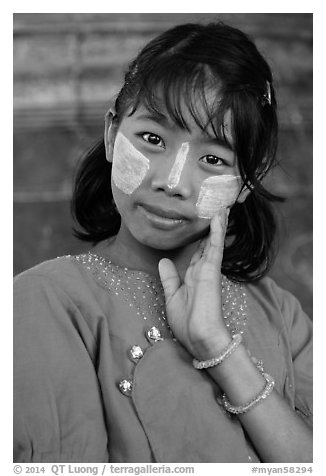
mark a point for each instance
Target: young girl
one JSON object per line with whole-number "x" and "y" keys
{"x": 166, "y": 343}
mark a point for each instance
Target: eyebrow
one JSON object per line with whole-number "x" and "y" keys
{"x": 159, "y": 118}
{"x": 221, "y": 141}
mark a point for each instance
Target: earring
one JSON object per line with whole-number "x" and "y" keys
{"x": 108, "y": 120}
{"x": 267, "y": 97}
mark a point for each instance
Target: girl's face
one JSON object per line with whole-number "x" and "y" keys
{"x": 168, "y": 182}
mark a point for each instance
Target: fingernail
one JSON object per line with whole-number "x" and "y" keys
{"x": 225, "y": 216}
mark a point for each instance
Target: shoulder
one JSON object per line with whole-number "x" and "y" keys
{"x": 276, "y": 301}
{"x": 267, "y": 289}
{"x": 57, "y": 287}
{"x": 56, "y": 301}
{"x": 62, "y": 275}
{"x": 41, "y": 288}
{"x": 55, "y": 269}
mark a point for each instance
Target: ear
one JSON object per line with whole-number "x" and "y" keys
{"x": 110, "y": 131}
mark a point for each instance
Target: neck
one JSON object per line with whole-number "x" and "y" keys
{"x": 124, "y": 250}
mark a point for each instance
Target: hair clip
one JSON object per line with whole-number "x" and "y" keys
{"x": 134, "y": 69}
{"x": 267, "y": 97}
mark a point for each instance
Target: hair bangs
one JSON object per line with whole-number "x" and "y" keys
{"x": 184, "y": 91}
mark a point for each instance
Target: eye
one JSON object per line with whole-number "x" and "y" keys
{"x": 212, "y": 160}
{"x": 153, "y": 139}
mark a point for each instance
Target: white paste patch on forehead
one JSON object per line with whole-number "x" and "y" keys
{"x": 219, "y": 191}
{"x": 176, "y": 171}
{"x": 129, "y": 165}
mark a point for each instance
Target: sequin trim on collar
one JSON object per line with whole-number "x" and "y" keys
{"x": 144, "y": 292}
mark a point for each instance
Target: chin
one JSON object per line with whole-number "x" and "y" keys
{"x": 171, "y": 243}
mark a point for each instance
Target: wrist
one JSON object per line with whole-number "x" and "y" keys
{"x": 209, "y": 346}
{"x": 238, "y": 370}
{"x": 218, "y": 359}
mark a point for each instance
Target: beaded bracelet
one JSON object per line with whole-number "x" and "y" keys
{"x": 205, "y": 364}
{"x": 267, "y": 390}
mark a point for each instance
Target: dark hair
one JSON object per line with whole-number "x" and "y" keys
{"x": 183, "y": 64}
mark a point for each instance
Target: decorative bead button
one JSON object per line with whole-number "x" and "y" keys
{"x": 125, "y": 387}
{"x": 153, "y": 334}
{"x": 136, "y": 352}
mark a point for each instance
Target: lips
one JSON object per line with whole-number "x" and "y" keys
{"x": 164, "y": 212}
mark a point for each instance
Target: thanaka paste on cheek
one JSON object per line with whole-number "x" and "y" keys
{"x": 180, "y": 160}
{"x": 129, "y": 165}
{"x": 219, "y": 191}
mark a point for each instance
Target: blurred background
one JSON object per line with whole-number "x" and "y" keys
{"x": 66, "y": 69}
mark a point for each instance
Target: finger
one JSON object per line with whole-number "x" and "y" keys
{"x": 215, "y": 246}
{"x": 169, "y": 277}
{"x": 200, "y": 250}
{"x": 219, "y": 225}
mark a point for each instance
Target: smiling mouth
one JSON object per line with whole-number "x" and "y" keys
{"x": 160, "y": 221}
{"x": 164, "y": 213}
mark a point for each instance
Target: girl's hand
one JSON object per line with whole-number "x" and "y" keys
{"x": 194, "y": 307}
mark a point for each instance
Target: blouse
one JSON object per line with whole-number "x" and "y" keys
{"x": 84, "y": 393}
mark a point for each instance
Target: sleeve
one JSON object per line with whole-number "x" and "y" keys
{"x": 58, "y": 416}
{"x": 300, "y": 330}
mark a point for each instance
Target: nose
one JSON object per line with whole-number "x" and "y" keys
{"x": 173, "y": 179}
